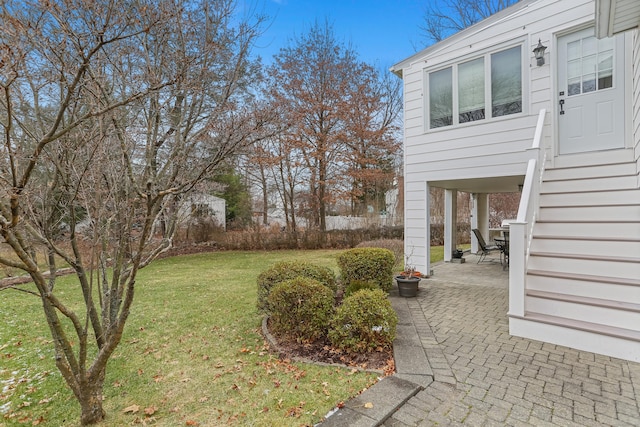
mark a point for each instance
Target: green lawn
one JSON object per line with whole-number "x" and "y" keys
{"x": 192, "y": 354}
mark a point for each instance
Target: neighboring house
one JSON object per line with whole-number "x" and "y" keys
{"x": 200, "y": 206}
{"x": 483, "y": 115}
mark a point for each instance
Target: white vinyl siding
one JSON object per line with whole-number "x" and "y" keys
{"x": 636, "y": 100}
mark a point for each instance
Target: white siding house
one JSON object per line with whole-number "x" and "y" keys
{"x": 483, "y": 115}
{"x": 203, "y": 206}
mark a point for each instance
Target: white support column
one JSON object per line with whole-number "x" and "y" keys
{"x": 474, "y": 221}
{"x": 483, "y": 214}
{"x": 450, "y": 222}
{"x": 427, "y": 209}
{"x": 479, "y": 218}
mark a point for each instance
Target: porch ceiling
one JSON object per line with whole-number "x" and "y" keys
{"x": 500, "y": 184}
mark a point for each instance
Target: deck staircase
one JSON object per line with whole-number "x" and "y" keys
{"x": 583, "y": 272}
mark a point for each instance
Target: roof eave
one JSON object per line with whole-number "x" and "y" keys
{"x": 516, "y": 7}
{"x": 604, "y": 17}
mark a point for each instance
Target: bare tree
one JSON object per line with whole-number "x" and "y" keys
{"x": 317, "y": 83}
{"x": 372, "y": 142}
{"x": 111, "y": 112}
{"x": 446, "y": 17}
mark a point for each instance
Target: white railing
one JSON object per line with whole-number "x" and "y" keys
{"x": 520, "y": 231}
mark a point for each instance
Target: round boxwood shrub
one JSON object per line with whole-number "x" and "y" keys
{"x": 364, "y": 322}
{"x": 301, "y": 308}
{"x": 368, "y": 264}
{"x": 287, "y": 270}
{"x": 358, "y": 285}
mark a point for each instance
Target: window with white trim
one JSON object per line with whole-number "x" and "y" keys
{"x": 458, "y": 93}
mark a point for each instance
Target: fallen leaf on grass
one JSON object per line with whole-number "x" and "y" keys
{"x": 192, "y": 423}
{"x": 133, "y": 409}
{"x": 296, "y": 411}
{"x": 150, "y": 410}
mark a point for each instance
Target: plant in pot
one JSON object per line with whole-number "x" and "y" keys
{"x": 408, "y": 281}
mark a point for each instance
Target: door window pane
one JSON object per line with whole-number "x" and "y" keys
{"x": 471, "y": 90}
{"x": 506, "y": 82}
{"x": 573, "y": 50}
{"x": 589, "y": 65}
{"x": 589, "y": 83}
{"x": 440, "y": 98}
{"x": 589, "y": 73}
{"x": 573, "y": 86}
{"x": 605, "y": 69}
{"x": 589, "y": 46}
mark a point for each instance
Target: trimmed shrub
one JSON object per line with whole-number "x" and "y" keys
{"x": 394, "y": 245}
{"x": 287, "y": 270}
{"x": 301, "y": 308}
{"x": 364, "y": 322}
{"x": 358, "y": 285}
{"x": 367, "y": 264}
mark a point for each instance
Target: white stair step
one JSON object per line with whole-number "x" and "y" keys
{"x": 590, "y": 198}
{"x": 584, "y": 286}
{"x": 600, "y": 171}
{"x": 600, "y": 311}
{"x": 592, "y": 213}
{"x": 586, "y": 246}
{"x": 598, "y": 229}
{"x": 624, "y": 333}
{"x": 596, "y": 266}
{"x": 594, "y": 184}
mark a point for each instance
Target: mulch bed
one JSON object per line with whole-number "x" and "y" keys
{"x": 322, "y": 352}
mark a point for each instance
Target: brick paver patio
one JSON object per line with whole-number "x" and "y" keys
{"x": 482, "y": 376}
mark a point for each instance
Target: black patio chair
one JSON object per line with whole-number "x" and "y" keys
{"x": 484, "y": 248}
{"x": 505, "y": 249}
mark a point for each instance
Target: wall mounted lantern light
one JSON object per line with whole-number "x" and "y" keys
{"x": 539, "y": 53}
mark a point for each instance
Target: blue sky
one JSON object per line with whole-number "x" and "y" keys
{"x": 383, "y": 32}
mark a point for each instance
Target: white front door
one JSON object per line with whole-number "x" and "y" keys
{"x": 590, "y": 92}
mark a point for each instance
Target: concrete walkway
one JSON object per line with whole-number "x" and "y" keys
{"x": 457, "y": 365}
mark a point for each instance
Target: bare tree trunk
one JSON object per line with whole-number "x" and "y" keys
{"x": 90, "y": 399}
{"x": 265, "y": 197}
